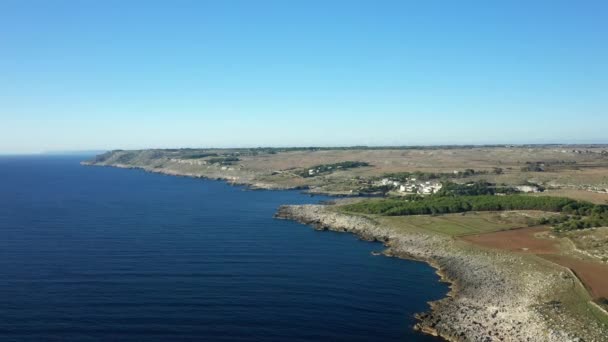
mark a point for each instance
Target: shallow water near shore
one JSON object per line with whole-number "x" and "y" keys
{"x": 98, "y": 254}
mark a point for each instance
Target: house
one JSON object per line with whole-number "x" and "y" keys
{"x": 430, "y": 188}
{"x": 407, "y": 188}
{"x": 527, "y": 188}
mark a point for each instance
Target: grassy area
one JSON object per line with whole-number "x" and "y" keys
{"x": 574, "y": 299}
{"x": 593, "y": 241}
{"x": 581, "y": 195}
{"x": 578, "y": 301}
{"x": 459, "y": 224}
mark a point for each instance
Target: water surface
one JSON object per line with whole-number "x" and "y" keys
{"x": 105, "y": 254}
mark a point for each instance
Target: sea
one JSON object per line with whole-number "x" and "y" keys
{"x": 106, "y": 254}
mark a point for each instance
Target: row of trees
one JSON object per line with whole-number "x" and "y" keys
{"x": 328, "y": 168}
{"x": 200, "y": 155}
{"x": 223, "y": 160}
{"x": 459, "y": 204}
{"x": 426, "y": 176}
{"x": 474, "y": 189}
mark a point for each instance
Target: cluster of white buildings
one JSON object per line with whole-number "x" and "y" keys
{"x": 412, "y": 186}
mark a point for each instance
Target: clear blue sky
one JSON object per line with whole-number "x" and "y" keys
{"x": 106, "y": 74}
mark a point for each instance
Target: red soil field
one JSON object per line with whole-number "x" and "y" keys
{"x": 516, "y": 240}
{"x": 594, "y": 275}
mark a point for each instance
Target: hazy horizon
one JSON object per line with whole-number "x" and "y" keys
{"x": 98, "y": 151}
{"x": 129, "y": 75}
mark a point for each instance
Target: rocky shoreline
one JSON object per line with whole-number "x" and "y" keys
{"x": 250, "y": 183}
{"x": 253, "y": 185}
{"x": 489, "y": 300}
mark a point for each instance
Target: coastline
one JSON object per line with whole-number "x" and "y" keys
{"x": 252, "y": 185}
{"x": 489, "y": 299}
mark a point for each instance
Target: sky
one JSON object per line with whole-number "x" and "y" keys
{"x": 95, "y": 75}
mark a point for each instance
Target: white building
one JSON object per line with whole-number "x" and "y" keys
{"x": 386, "y": 181}
{"x": 430, "y": 188}
{"x": 527, "y": 188}
{"x": 407, "y": 188}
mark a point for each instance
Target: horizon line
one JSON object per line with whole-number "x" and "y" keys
{"x": 371, "y": 147}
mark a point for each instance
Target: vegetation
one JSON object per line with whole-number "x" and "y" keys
{"x": 541, "y": 166}
{"x": 100, "y": 158}
{"x": 329, "y": 168}
{"x": 474, "y": 189}
{"x": 126, "y": 157}
{"x": 376, "y": 189}
{"x": 575, "y": 214}
{"x": 585, "y": 216}
{"x": 426, "y": 176}
{"x": 199, "y": 155}
{"x": 458, "y": 204}
{"x": 223, "y": 160}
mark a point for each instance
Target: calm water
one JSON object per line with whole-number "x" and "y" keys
{"x": 89, "y": 254}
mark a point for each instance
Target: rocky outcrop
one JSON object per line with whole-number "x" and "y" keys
{"x": 493, "y": 297}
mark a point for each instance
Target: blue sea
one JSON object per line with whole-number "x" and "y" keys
{"x": 106, "y": 254}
